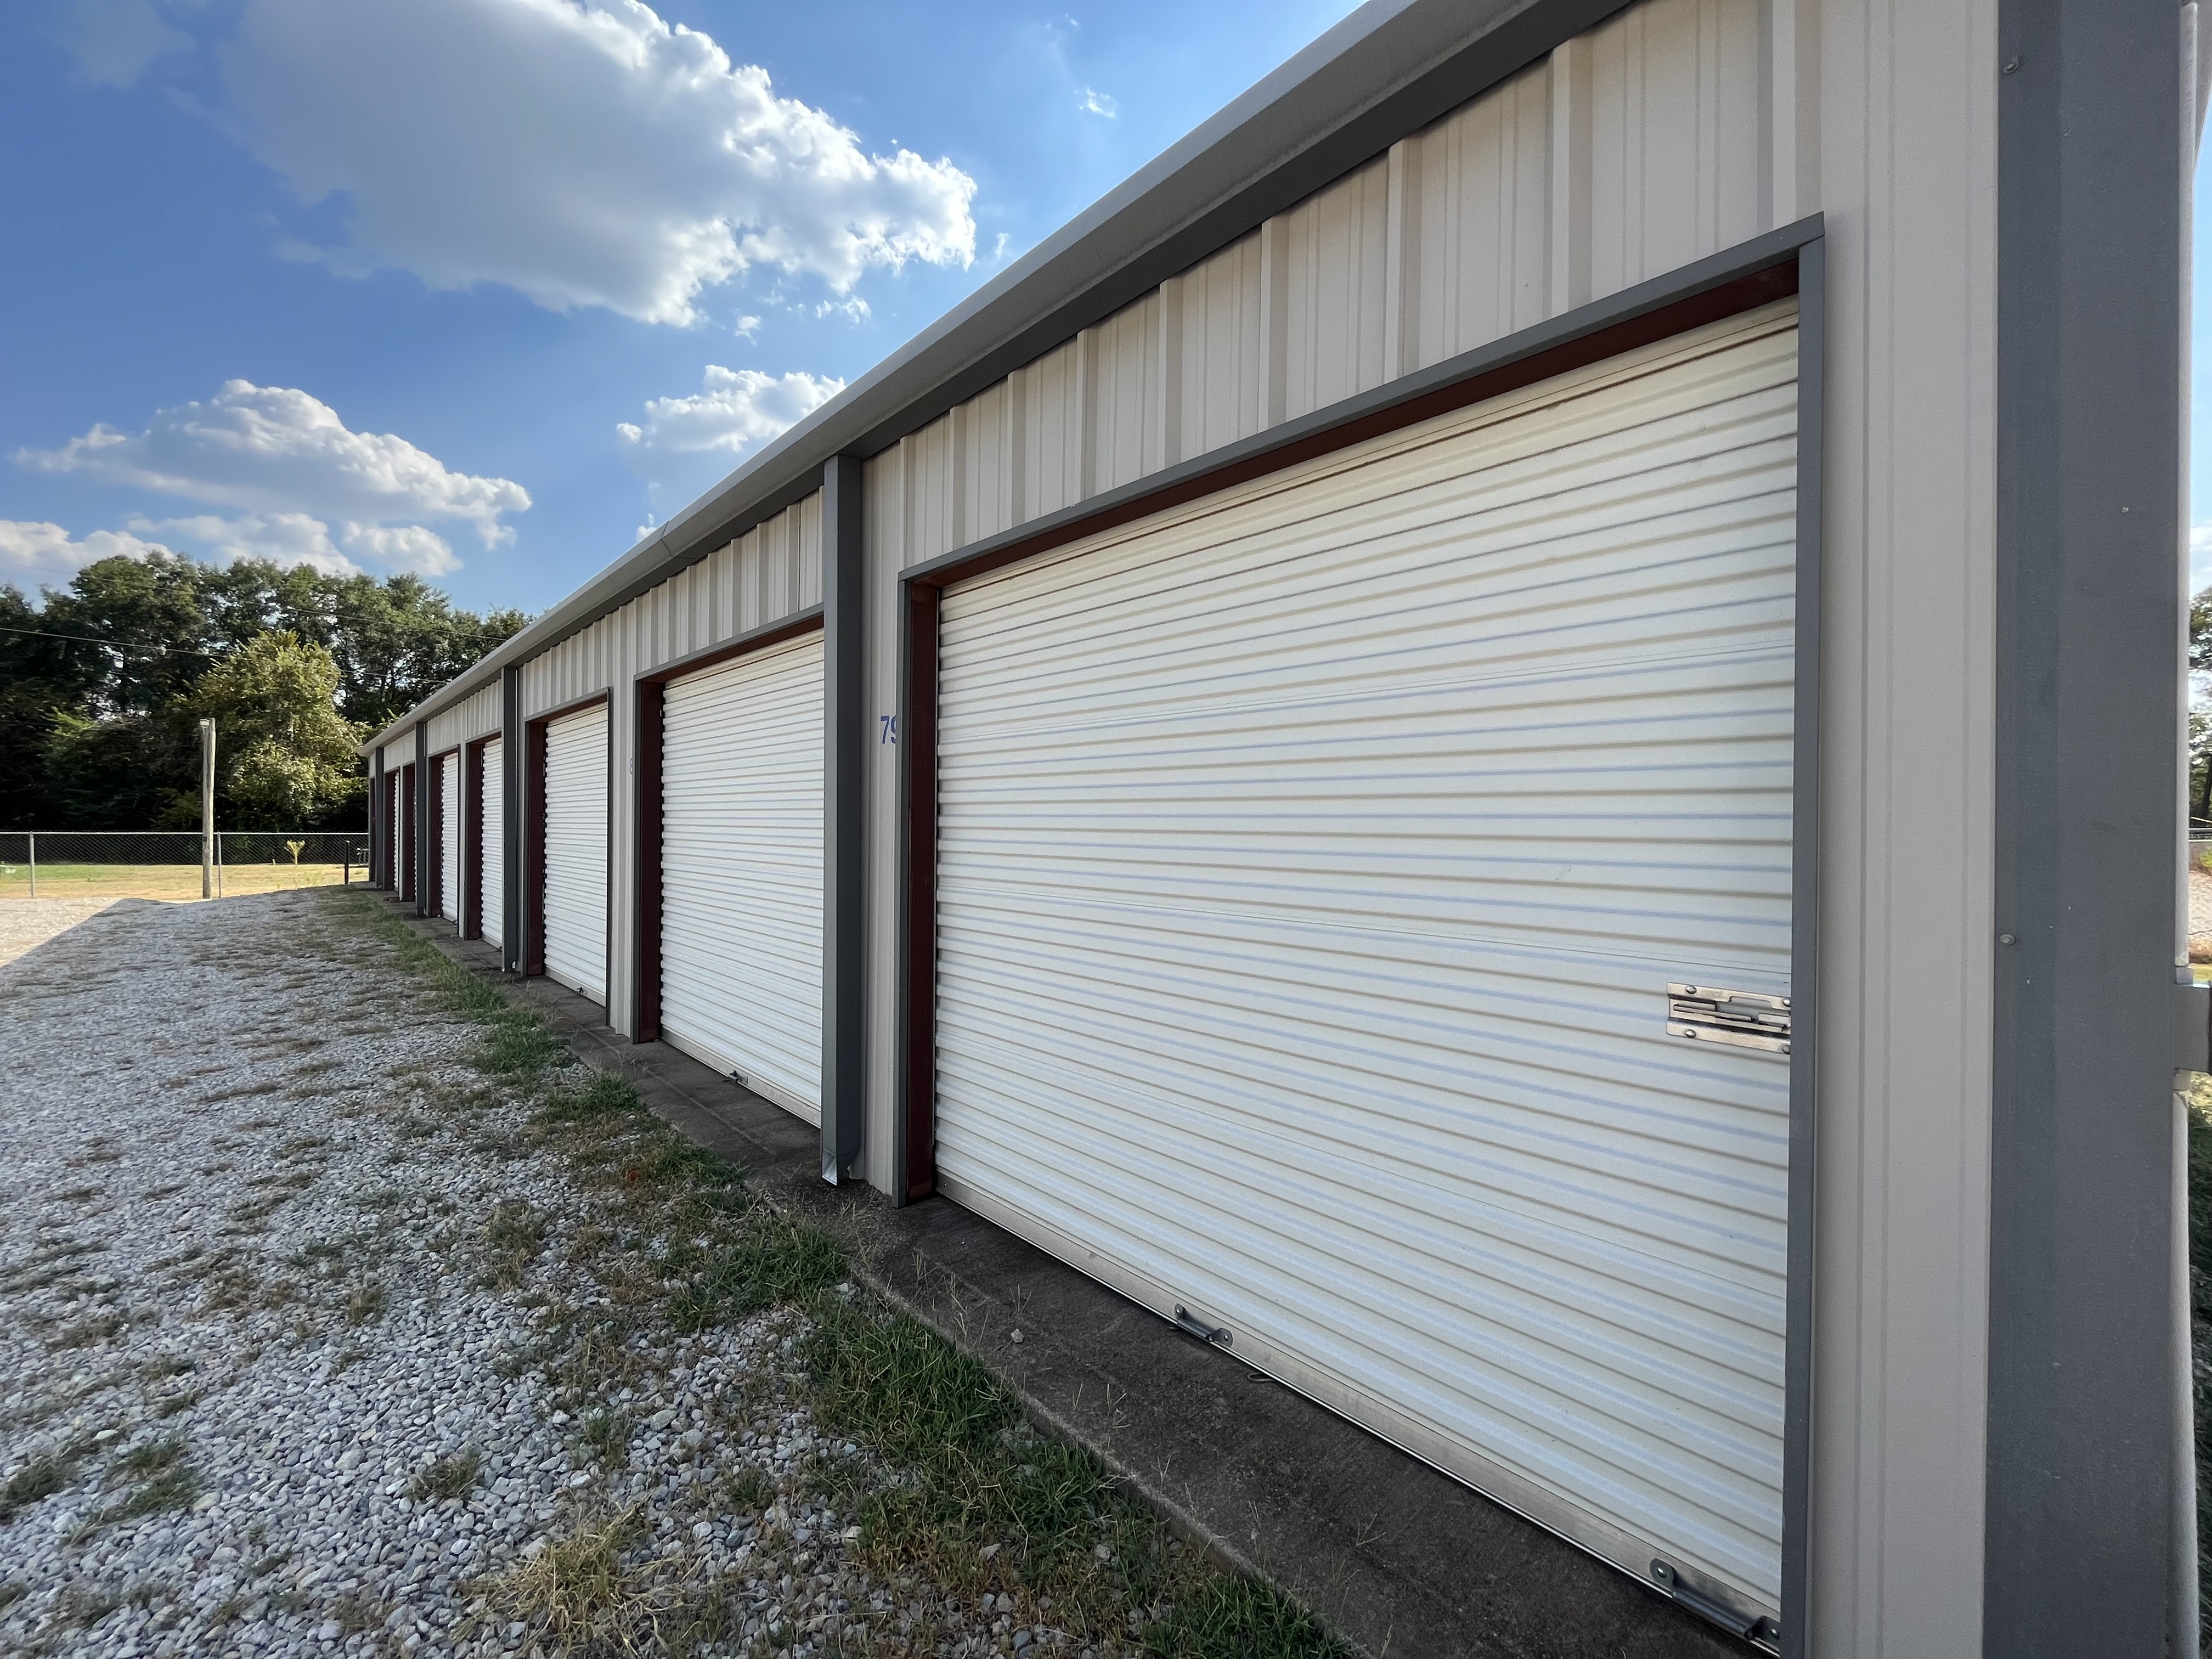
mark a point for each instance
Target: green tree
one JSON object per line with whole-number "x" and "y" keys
{"x": 285, "y": 755}
{"x": 92, "y": 678}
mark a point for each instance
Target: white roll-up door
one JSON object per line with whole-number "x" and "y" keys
{"x": 491, "y": 851}
{"x": 449, "y": 835}
{"x": 1315, "y": 861}
{"x": 741, "y": 871}
{"x": 576, "y": 852}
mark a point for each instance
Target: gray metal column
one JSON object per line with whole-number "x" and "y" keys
{"x": 379, "y": 832}
{"x": 511, "y": 758}
{"x": 421, "y": 804}
{"x": 846, "y": 736}
{"x": 2090, "y": 1470}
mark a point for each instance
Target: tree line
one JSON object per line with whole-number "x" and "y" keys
{"x": 103, "y": 685}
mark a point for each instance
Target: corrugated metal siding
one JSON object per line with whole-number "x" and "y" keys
{"x": 491, "y": 852}
{"x": 772, "y": 572}
{"x": 741, "y": 870}
{"x": 473, "y": 717}
{"x": 1314, "y": 864}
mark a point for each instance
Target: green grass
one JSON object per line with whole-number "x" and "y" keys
{"x": 449, "y": 1477}
{"x": 977, "y": 1497}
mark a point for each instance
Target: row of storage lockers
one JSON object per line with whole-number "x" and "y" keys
{"x": 1312, "y": 861}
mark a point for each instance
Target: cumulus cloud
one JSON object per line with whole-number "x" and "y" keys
{"x": 285, "y": 538}
{"x": 290, "y": 462}
{"x": 734, "y": 410}
{"x": 114, "y": 40}
{"x": 35, "y": 551}
{"x": 583, "y": 152}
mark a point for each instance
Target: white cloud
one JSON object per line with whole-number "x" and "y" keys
{"x": 583, "y": 152}
{"x": 284, "y": 538}
{"x": 403, "y": 547}
{"x": 734, "y": 410}
{"x": 290, "y": 462}
{"x": 1094, "y": 102}
{"x": 114, "y": 40}
{"x": 37, "y": 552}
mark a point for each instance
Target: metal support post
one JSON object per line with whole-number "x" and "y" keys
{"x": 207, "y": 809}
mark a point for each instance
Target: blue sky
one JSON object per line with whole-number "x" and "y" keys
{"x": 478, "y": 288}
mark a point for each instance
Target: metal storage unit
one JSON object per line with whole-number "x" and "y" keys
{"x": 451, "y": 820}
{"x": 741, "y": 870}
{"x": 1313, "y": 866}
{"x": 576, "y": 861}
{"x": 1975, "y": 186}
{"x": 491, "y": 855}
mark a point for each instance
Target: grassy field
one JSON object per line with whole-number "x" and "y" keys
{"x": 164, "y": 881}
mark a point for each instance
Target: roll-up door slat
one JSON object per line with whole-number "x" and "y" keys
{"x": 449, "y": 837}
{"x": 491, "y": 855}
{"x": 1313, "y": 864}
{"x": 741, "y": 870}
{"x": 576, "y": 852}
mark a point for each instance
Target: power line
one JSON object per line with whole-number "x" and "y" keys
{"x": 82, "y": 639}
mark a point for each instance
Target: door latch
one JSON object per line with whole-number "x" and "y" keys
{"x": 1742, "y": 1020}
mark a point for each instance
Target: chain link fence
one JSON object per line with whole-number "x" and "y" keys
{"x": 165, "y": 863}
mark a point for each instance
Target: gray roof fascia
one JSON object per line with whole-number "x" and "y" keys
{"x": 1387, "y": 70}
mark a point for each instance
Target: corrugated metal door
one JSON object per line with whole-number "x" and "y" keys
{"x": 741, "y": 871}
{"x": 576, "y": 852}
{"x": 1314, "y": 861}
{"x": 491, "y": 851}
{"x": 449, "y": 837}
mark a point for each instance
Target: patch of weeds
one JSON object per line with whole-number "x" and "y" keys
{"x": 385, "y": 1198}
{"x": 575, "y": 1594}
{"x": 170, "y": 1191}
{"x": 163, "y": 1366}
{"x": 412, "y": 1125}
{"x": 13, "y": 1591}
{"x": 325, "y": 1253}
{"x": 365, "y": 1301}
{"x": 515, "y": 1232}
{"x": 772, "y": 1260}
{"x": 600, "y": 1099}
{"x": 347, "y": 1356}
{"x": 83, "y": 1606}
{"x": 983, "y": 1498}
{"x": 746, "y": 1490}
{"x": 449, "y": 1477}
{"x": 96, "y": 1151}
{"x": 172, "y": 1487}
{"x": 99, "y": 1327}
{"x": 41, "y": 1478}
{"x": 606, "y": 1437}
{"x": 356, "y": 1612}
{"x": 152, "y": 1456}
{"x": 169, "y": 1405}
{"x": 77, "y": 1195}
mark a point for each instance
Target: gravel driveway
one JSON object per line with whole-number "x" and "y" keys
{"x": 278, "y": 1267}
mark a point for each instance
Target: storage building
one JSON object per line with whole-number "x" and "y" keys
{"x": 1507, "y": 734}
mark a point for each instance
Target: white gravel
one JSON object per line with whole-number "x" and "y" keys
{"x": 240, "y": 1232}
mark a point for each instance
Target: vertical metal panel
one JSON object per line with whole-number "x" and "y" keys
{"x": 576, "y": 845}
{"x": 1480, "y": 189}
{"x": 1313, "y": 863}
{"x": 466, "y": 720}
{"x": 451, "y": 823}
{"x": 741, "y": 870}
{"x": 491, "y": 857}
{"x": 1335, "y": 292}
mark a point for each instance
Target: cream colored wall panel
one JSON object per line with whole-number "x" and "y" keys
{"x": 1054, "y": 419}
{"x": 466, "y": 720}
{"x": 1221, "y": 349}
{"x": 1124, "y": 395}
{"x": 1677, "y": 136}
{"x": 1480, "y": 220}
{"x": 1335, "y": 291}
{"x": 451, "y": 820}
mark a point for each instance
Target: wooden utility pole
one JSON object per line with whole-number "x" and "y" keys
{"x": 207, "y": 809}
